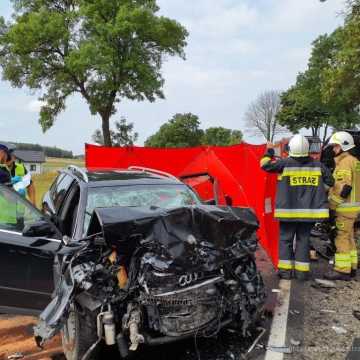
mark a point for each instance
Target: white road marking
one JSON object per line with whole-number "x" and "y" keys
{"x": 277, "y": 336}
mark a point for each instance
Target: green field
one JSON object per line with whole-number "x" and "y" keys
{"x": 55, "y": 164}
{"x": 50, "y": 170}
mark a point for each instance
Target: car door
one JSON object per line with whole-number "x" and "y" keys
{"x": 26, "y": 262}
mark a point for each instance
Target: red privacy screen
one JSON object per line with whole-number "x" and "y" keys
{"x": 235, "y": 169}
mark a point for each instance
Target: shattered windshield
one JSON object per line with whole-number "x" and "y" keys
{"x": 163, "y": 196}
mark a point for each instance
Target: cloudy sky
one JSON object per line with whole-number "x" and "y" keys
{"x": 236, "y": 50}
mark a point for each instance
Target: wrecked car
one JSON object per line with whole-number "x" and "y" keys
{"x": 153, "y": 276}
{"x": 135, "y": 258}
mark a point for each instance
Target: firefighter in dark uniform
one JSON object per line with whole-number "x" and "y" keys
{"x": 301, "y": 201}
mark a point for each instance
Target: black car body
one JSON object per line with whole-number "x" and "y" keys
{"x": 189, "y": 268}
{"x": 26, "y": 258}
{"x": 27, "y": 262}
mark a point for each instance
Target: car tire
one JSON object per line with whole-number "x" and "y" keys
{"x": 79, "y": 334}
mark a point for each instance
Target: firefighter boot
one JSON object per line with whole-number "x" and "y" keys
{"x": 353, "y": 273}
{"x": 335, "y": 275}
{"x": 302, "y": 275}
{"x": 285, "y": 274}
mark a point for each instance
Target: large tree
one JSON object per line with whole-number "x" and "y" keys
{"x": 304, "y": 104}
{"x": 261, "y": 115}
{"x": 221, "y": 136}
{"x": 122, "y": 135}
{"x": 183, "y": 130}
{"x": 105, "y": 50}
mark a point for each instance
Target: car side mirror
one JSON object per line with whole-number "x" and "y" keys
{"x": 38, "y": 229}
{"x": 210, "y": 202}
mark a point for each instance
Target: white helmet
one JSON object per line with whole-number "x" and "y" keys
{"x": 299, "y": 146}
{"x": 344, "y": 139}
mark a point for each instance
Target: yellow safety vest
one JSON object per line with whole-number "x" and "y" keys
{"x": 20, "y": 170}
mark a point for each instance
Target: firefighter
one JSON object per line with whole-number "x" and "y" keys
{"x": 344, "y": 200}
{"x": 301, "y": 201}
{"x": 8, "y": 209}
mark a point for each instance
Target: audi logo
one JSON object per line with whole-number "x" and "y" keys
{"x": 187, "y": 279}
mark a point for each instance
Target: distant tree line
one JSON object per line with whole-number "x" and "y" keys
{"x": 50, "y": 151}
{"x": 183, "y": 130}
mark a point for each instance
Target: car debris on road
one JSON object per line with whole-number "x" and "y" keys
{"x": 339, "y": 330}
{"x": 16, "y": 356}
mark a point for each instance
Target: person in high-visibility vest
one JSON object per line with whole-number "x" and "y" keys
{"x": 17, "y": 172}
{"x": 8, "y": 209}
{"x": 344, "y": 200}
{"x": 301, "y": 201}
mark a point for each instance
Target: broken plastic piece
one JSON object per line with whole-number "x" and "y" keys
{"x": 17, "y": 355}
{"x": 253, "y": 345}
{"x": 339, "y": 330}
{"x": 280, "y": 349}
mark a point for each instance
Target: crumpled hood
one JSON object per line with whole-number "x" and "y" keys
{"x": 186, "y": 236}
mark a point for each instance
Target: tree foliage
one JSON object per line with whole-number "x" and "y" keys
{"x": 221, "y": 136}
{"x": 324, "y": 95}
{"x": 302, "y": 105}
{"x": 123, "y": 135}
{"x": 341, "y": 80}
{"x": 261, "y": 115}
{"x": 183, "y": 130}
{"x": 105, "y": 50}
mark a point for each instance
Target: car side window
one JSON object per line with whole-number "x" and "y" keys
{"x": 68, "y": 213}
{"x": 60, "y": 189}
{"x": 55, "y": 185}
{"x": 15, "y": 213}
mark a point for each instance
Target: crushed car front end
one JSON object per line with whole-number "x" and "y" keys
{"x": 153, "y": 276}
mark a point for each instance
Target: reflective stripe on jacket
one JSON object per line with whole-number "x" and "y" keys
{"x": 347, "y": 172}
{"x": 301, "y": 193}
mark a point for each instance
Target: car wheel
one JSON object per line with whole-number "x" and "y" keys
{"x": 78, "y": 334}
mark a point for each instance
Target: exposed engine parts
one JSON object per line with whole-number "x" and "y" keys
{"x": 152, "y": 276}
{"x": 106, "y": 326}
{"x": 132, "y": 322}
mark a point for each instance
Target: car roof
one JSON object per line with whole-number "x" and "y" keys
{"x": 113, "y": 177}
